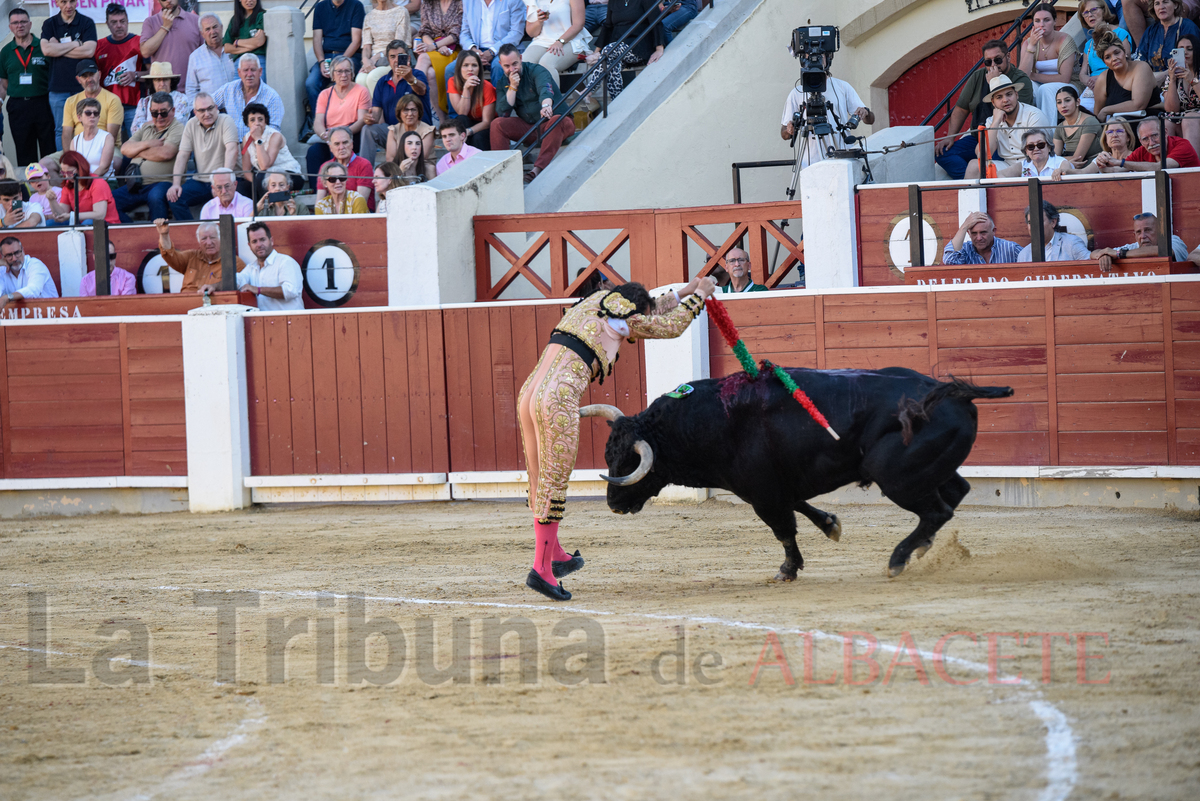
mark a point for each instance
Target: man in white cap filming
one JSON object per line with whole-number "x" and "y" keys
{"x": 1010, "y": 119}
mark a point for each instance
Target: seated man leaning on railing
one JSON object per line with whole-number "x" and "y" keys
{"x": 1145, "y": 244}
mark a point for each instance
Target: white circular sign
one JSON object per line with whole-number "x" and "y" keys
{"x": 330, "y": 273}
{"x": 153, "y": 271}
{"x": 1073, "y": 224}
{"x": 899, "y": 247}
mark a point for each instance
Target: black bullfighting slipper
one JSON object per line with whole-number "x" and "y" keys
{"x": 567, "y": 567}
{"x": 554, "y": 592}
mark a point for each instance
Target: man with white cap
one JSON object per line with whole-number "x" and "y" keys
{"x": 1010, "y": 119}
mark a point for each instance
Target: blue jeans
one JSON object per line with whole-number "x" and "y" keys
{"x": 956, "y": 158}
{"x": 315, "y": 81}
{"x": 593, "y": 17}
{"x": 193, "y": 192}
{"x": 153, "y": 195}
{"x": 58, "y": 101}
{"x": 674, "y": 23}
{"x": 128, "y": 121}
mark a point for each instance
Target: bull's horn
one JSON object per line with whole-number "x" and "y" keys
{"x": 647, "y": 453}
{"x": 604, "y": 410}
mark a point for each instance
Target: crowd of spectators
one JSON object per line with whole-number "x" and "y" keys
{"x": 158, "y": 115}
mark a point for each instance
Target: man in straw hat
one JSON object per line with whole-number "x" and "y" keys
{"x": 1010, "y": 119}
{"x": 163, "y": 78}
{"x": 120, "y": 60}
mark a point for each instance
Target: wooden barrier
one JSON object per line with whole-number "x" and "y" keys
{"x": 359, "y": 255}
{"x": 1043, "y": 271}
{"x": 656, "y": 241}
{"x": 1105, "y": 209}
{"x": 1104, "y": 374}
{"x": 118, "y": 306}
{"x": 92, "y": 400}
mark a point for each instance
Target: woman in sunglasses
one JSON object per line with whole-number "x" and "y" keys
{"x": 93, "y": 143}
{"x": 338, "y": 200}
{"x": 1038, "y": 158}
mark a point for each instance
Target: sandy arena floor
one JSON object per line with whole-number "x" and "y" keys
{"x": 642, "y": 726}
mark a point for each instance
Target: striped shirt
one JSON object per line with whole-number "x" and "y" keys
{"x": 1003, "y": 252}
{"x": 231, "y": 98}
{"x": 207, "y": 71}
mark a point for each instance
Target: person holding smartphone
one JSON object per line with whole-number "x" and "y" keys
{"x": 265, "y": 148}
{"x": 277, "y": 201}
{"x": 1182, "y": 92}
{"x": 381, "y": 116}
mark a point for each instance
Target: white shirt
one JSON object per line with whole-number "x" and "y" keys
{"x": 1061, "y": 247}
{"x": 33, "y": 280}
{"x": 487, "y": 40}
{"x": 1028, "y": 170}
{"x": 207, "y": 71}
{"x": 844, "y": 99}
{"x": 278, "y": 270}
{"x": 1006, "y": 139}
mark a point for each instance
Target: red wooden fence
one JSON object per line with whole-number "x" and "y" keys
{"x": 655, "y": 241}
{"x": 1104, "y": 375}
{"x": 92, "y": 400}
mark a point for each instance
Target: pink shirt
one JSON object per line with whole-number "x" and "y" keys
{"x": 339, "y": 111}
{"x": 241, "y": 206}
{"x": 120, "y": 282}
{"x": 447, "y": 161}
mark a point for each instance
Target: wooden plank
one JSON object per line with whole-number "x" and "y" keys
{"x": 1184, "y": 325}
{"x": 257, "y": 401}
{"x": 427, "y": 377}
{"x": 458, "y": 389}
{"x": 155, "y": 335}
{"x": 819, "y": 325}
{"x": 483, "y": 399}
{"x": 65, "y": 387}
{"x": 157, "y": 438}
{"x": 777, "y": 338}
{"x": 1052, "y": 369}
{"x": 349, "y": 389}
{"x": 1100, "y": 328}
{"x": 916, "y": 358}
{"x": 1112, "y": 447}
{"x": 931, "y": 325}
{"x": 967, "y": 362}
{"x": 64, "y": 465}
{"x": 63, "y": 337}
{"x": 721, "y": 366}
{"x": 1188, "y": 445}
{"x": 158, "y": 463}
{"x": 127, "y": 434}
{"x": 1185, "y": 297}
{"x": 1110, "y": 358}
{"x": 435, "y": 370}
{"x": 1010, "y": 448}
{"x": 1187, "y": 413}
{"x": 1013, "y": 302}
{"x": 505, "y": 388}
{"x": 992, "y": 332}
{"x": 1107, "y": 299}
{"x": 302, "y": 394}
{"x": 1026, "y": 388}
{"x": 1133, "y": 416}
{"x": 1110, "y": 387}
{"x": 168, "y": 359}
{"x": 155, "y": 412}
{"x": 1013, "y": 416}
{"x": 88, "y": 438}
{"x": 1186, "y": 355}
{"x": 325, "y": 393}
{"x": 874, "y": 308}
{"x": 1168, "y": 381}
{"x": 750, "y": 311}
{"x": 1187, "y": 384}
{"x": 162, "y": 386}
{"x": 279, "y": 396}
{"x": 374, "y": 407}
{"x": 51, "y": 413}
{"x": 396, "y": 391}
{"x": 56, "y": 361}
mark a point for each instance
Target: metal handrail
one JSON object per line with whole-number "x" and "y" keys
{"x": 946, "y": 101}
{"x": 603, "y": 65}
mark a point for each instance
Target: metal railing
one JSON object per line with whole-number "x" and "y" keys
{"x": 947, "y": 101}
{"x": 602, "y": 66}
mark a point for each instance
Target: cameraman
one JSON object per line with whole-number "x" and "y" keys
{"x": 846, "y": 103}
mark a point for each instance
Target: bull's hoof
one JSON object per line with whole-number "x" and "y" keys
{"x": 781, "y": 576}
{"x": 895, "y": 570}
{"x": 834, "y": 532}
{"x": 922, "y": 550}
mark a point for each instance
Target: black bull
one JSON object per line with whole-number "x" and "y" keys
{"x": 899, "y": 429}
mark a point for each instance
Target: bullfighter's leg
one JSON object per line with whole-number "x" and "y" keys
{"x": 782, "y": 521}
{"x": 828, "y": 523}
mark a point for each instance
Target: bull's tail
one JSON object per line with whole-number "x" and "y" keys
{"x": 913, "y": 413}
